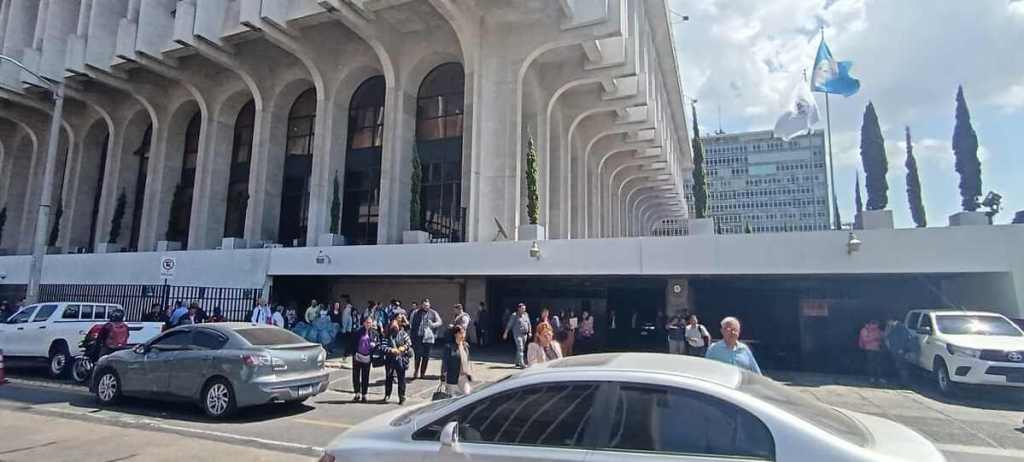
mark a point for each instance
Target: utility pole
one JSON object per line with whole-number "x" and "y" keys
{"x": 43, "y": 217}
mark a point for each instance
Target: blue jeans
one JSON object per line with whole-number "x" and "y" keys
{"x": 521, "y": 342}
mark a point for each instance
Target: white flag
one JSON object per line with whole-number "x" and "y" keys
{"x": 801, "y": 114}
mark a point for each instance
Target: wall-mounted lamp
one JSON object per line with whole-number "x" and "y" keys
{"x": 853, "y": 244}
{"x": 535, "y": 250}
{"x": 322, "y": 258}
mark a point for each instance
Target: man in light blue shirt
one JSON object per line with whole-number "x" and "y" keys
{"x": 731, "y": 350}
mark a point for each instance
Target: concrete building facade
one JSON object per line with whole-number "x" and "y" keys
{"x": 280, "y": 122}
{"x": 763, "y": 182}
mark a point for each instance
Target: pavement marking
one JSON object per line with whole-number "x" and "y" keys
{"x": 980, "y": 450}
{"x": 322, "y": 423}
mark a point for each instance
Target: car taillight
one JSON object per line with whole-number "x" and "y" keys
{"x": 255, "y": 360}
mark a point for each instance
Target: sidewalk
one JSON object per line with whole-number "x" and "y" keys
{"x": 489, "y": 365}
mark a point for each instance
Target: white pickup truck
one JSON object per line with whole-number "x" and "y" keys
{"x": 961, "y": 347}
{"x": 53, "y": 331}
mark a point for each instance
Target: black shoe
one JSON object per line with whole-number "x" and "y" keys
{"x": 364, "y": 398}
{"x": 401, "y": 400}
{"x": 355, "y": 399}
{"x": 386, "y": 398}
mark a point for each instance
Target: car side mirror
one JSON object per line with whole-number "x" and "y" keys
{"x": 924, "y": 330}
{"x": 450, "y": 436}
{"x": 141, "y": 349}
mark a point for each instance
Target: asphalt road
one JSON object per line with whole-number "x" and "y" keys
{"x": 45, "y": 420}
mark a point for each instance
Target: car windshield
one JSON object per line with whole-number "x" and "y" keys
{"x": 262, "y": 336}
{"x": 820, "y": 415}
{"x": 976, "y": 325}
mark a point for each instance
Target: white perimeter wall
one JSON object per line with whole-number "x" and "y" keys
{"x": 979, "y": 249}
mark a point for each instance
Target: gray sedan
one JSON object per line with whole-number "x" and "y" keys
{"x": 221, "y": 367}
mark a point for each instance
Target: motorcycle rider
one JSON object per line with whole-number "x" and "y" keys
{"x": 113, "y": 335}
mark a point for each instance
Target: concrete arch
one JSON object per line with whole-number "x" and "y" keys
{"x": 165, "y": 167}
{"x": 84, "y": 186}
{"x": 18, "y": 157}
{"x": 413, "y": 77}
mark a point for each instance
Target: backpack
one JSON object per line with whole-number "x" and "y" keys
{"x": 117, "y": 335}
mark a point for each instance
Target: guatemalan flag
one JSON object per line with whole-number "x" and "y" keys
{"x": 831, "y": 76}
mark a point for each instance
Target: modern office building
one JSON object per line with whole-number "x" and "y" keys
{"x": 762, "y": 182}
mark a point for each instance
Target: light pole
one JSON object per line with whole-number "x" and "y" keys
{"x": 43, "y": 219}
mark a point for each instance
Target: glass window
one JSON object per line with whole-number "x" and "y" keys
{"x": 192, "y": 142}
{"x": 208, "y": 339}
{"x": 86, "y": 312}
{"x": 263, "y": 336}
{"x": 976, "y": 325}
{"x": 654, "y": 419}
{"x": 556, "y": 415}
{"x": 241, "y": 145}
{"x": 440, "y": 103}
{"x": 173, "y": 340}
{"x": 926, "y": 321}
{"x": 100, "y": 312}
{"x": 44, "y": 312}
{"x": 22, "y": 316}
{"x": 71, "y": 312}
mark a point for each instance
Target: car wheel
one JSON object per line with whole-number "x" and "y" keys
{"x": 218, "y": 400}
{"x": 60, "y": 359}
{"x": 946, "y": 386}
{"x": 108, "y": 387}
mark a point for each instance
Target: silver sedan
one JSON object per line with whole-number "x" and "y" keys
{"x": 631, "y": 406}
{"x": 221, "y": 367}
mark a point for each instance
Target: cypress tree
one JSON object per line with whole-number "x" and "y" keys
{"x": 747, "y": 229}
{"x": 336, "y": 205}
{"x": 858, "y": 203}
{"x": 700, "y": 185}
{"x": 965, "y": 149}
{"x": 115, "y": 222}
{"x": 415, "y": 187}
{"x": 872, "y": 154}
{"x": 914, "y": 187}
{"x": 532, "y": 197}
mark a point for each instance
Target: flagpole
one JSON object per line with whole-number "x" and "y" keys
{"x": 831, "y": 166}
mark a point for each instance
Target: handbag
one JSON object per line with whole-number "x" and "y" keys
{"x": 361, "y": 358}
{"x": 440, "y": 393}
{"x": 379, "y": 356}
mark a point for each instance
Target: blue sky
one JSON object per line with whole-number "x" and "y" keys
{"x": 910, "y": 55}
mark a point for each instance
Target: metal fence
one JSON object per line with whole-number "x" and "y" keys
{"x": 235, "y": 303}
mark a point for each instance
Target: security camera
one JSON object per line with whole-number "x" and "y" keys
{"x": 322, "y": 258}
{"x": 3, "y": 275}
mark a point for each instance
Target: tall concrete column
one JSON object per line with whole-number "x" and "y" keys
{"x": 162, "y": 176}
{"x": 497, "y": 95}
{"x": 265, "y": 166}
{"x": 396, "y": 162}
{"x": 209, "y": 196}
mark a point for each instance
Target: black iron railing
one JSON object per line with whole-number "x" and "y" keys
{"x": 235, "y": 303}
{"x": 449, "y": 227}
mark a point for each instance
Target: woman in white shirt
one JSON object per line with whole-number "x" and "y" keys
{"x": 697, "y": 337}
{"x": 544, "y": 348}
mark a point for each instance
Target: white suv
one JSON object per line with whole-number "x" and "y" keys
{"x": 968, "y": 347}
{"x": 53, "y": 331}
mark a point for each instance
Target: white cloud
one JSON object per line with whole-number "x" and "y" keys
{"x": 1012, "y": 99}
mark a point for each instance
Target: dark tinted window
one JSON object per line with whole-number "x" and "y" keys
{"x": 926, "y": 321}
{"x": 208, "y": 339}
{"x": 913, "y": 320}
{"x": 544, "y": 415}
{"x": 654, "y": 419}
{"x": 44, "y": 313}
{"x": 71, "y": 312}
{"x": 173, "y": 340}
{"x": 265, "y": 336}
{"x": 22, "y": 316}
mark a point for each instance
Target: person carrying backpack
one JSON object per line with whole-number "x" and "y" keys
{"x": 113, "y": 335}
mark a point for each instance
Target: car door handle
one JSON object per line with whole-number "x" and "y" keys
{"x": 21, "y": 328}
{"x": 42, "y": 327}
